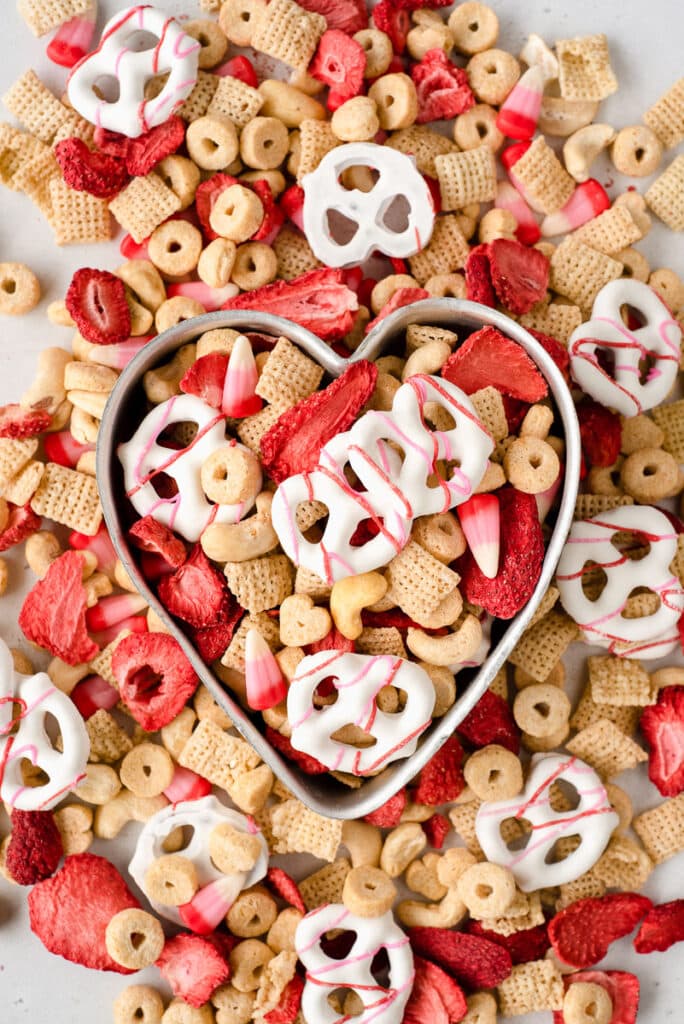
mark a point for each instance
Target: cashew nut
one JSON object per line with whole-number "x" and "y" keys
{"x": 421, "y": 877}
{"x": 563, "y": 117}
{"x": 83, "y": 426}
{"x": 162, "y": 383}
{"x": 364, "y": 843}
{"x": 637, "y": 206}
{"x": 58, "y": 314}
{"x": 672, "y": 675}
{"x": 583, "y": 146}
{"x": 402, "y": 845}
{"x": 495, "y": 224}
{"x": 87, "y": 463}
{"x": 445, "y": 914}
{"x": 446, "y": 650}
{"x": 175, "y": 735}
{"x": 90, "y": 402}
{"x": 350, "y": 596}
{"x": 47, "y": 390}
{"x": 429, "y": 358}
{"x": 142, "y": 318}
{"x": 42, "y": 549}
{"x": 238, "y": 542}
{"x": 144, "y": 282}
{"x": 96, "y": 586}
{"x": 100, "y": 785}
{"x": 111, "y": 817}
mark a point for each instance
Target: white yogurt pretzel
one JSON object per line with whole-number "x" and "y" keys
{"x": 358, "y": 681}
{"x": 202, "y": 816}
{"x": 119, "y": 56}
{"x": 35, "y": 697}
{"x": 188, "y": 512}
{"x": 324, "y": 974}
{"x": 589, "y": 541}
{"x": 658, "y": 339}
{"x": 593, "y": 820}
{"x": 399, "y": 177}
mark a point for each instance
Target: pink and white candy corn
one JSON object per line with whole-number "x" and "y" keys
{"x": 110, "y": 611}
{"x": 210, "y": 904}
{"x": 480, "y": 520}
{"x": 264, "y": 683}
{"x": 587, "y": 201}
{"x": 132, "y": 250}
{"x": 186, "y": 785}
{"x": 519, "y": 115}
{"x": 72, "y": 40}
{"x": 118, "y": 355}
{"x": 239, "y": 395}
{"x": 509, "y": 198}
{"x": 134, "y": 624}
{"x": 211, "y": 298}
{"x": 63, "y": 448}
{"x": 92, "y": 694}
{"x": 100, "y": 545}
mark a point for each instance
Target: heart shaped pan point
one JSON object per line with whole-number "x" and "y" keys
{"x": 323, "y": 793}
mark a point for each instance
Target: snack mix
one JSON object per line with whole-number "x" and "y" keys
{"x": 344, "y": 551}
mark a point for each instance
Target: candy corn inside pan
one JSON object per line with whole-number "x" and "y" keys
{"x": 126, "y": 408}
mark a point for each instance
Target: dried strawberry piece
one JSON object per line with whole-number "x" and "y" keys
{"x": 555, "y": 349}
{"x": 35, "y": 847}
{"x": 581, "y": 933}
{"x": 349, "y": 16}
{"x": 273, "y": 215}
{"x": 144, "y": 152}
{"x": 487, "y": 358}
{"x": 394, "y": 22}
{"x": 196, "y": 592}
{"x": 16, "y": 422}
{"x": 96, "y": 301}
{"x": 600, "y": 433}
{"x": 111, "y": 142}
{"x": 294, "y": 442}
{"x": 528, "y": 944}
{"x": 70, "y": 911}
{"x": 441, "y": 780}
{"x": 520, "y": 560}
{"x": 515, "y": 412}
{"x": 491, "y": 721}
{"x": 212, "y": 641}
{"x": 663, "y": 727}
{"x": 621, "y": 986}
{"x": 520, "y": 274}
{"x": 289, "y": 1001}
{"x": 389, "y": 815}
{"x": 83, "y": 170}
{"x": 154, "y": 676}
{"x": 54, "y": 612}
{"x": 332, "y": 641}
{"x": 304, "y": 761}
{"x": 471, "y": 960}
{"x": 402, "y": 297}
{"x": 292, "y": 205}
{"x": 206, "y": 378}
{"x": 442, "y": 88}
{"x": 660, "y": 929}
{"x": 285, "y": 887}
{"x": 339, "y": 62}
{"x": 393, "y": 617}
{"x": 436, "y": 829}
{"x": 149, "y": 535}
{"x": 21, "y": 523}
{"x": 193, "y": 967}
{"x": 206, "y": 195}
{"x": 317, "y": 300}
{"x": 435, "y": 997}
{"x": 478, "y": 277}
{"x": 417, "y": 5}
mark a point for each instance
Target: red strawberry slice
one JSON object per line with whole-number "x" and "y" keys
{"x": 621, "y": 986}
{"x": 600, "y": 432}
{"x": 16, "y": 422}
{"x": 339, "y": 62}
{"x": 149, "y": 535}
{"x": 35, "y": 847}
{"x": 274, "y": 218}
{"x": 289, "y": 1001}
{"x": 491, "y": 721}
{"x": 394, "y": 22}
{"x": 206, "y": 378}
{"x": 144, "y": 152}
{"x": 436, "y": 830}
{"x": 154, "y": 676}
{"x": 442, "y": 88}
{"x": 435, "y": 997}
{"x": 54, "y": 612}
{"x": 520, "y": 274}
{"x": 478, "y": 277}
{"x": 22, "y": 522}
{"x": 197, "y": 593}
{"x": 211, "y": 641}
{"x": 488, "y": 357}
{"x": 471, "y": 960}
{"x": 292, "y": 205}
{"x": 98, "y": 174}
{"x": 96, "y": 301}
{"x": 441, "y": 780}
{"x": 304, "y": 761}
{"x": 661, "y": 928}
{"x": 349, "y": 16}
{"x": 582, "y": 933}
{"x": 194, "y": 967}
{"x": 528, "y": 944}
{"x": 555, "y": 349}
{"x": 239, "y": 67}
{"x": 285, "y": 887}
{"x": 663, "y": 727}
{"x": 389, "y": 814}
{"x": 402, "y": 297}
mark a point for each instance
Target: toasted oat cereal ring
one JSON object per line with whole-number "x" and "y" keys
{"x": 252, "y": 914}
{"x": 138, "y": 1004}
{"x": 587, "y": 1003}
{"x": 649, "y": 475}
{"x": 492, "y": 74}
{"x": 377, "y": 46}
{"x": 477, "y": 127}
{"x": 396, "y": 100}
{"x": 281, "y": 934}
{"x": 171, "y": 880}
{"x": 175, "y": 247}
{"x": 541, "y": 710}
{"x": 634, "y": 264}
{"x": 487, "y": 890}
{"x": 237, "y": 213}
{"x": 255, "y": 265}
{"x": 636, "y": 151}
{"x": 180, "y": 1012}
{"x": 606, "y": 479}
{"x": 368, "y": 892}
{"x": 172, "y": 311}
{"x": 134, "y": 939}
{"x": 212, "y": 142}
{"x": 230, "y": 475}
{"x": 19, "y": 289}
{"x": 356, "y": 120}
{"x": 445, "y": 687}
{"x": 441, "y": 535}
{"x": 147, "y": 769}
{"x": 531, "y": 465}
{"x": 211, "y": 38}
{"x": 669, "y": 286}
{"x": 474, "y": 27}
{"x": 264, "y": 143}
{"x": 247, "y": 961}
{"x": 494, "y": 773}
{"x": 237, "y": 19}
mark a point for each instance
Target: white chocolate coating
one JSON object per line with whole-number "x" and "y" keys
{"x": 658, "y": 338}
{"x": 323, "y": 193}
{"x": 118, "y": 56}
{"x": 325, "y": 974}
{"x": 358, "y": 680}
{"x": 593, "y": 820}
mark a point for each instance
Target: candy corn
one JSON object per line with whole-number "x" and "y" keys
{"x": 210, "y": 904}
{"x": 264, "y": 683}
{"x": 509, "y": 198}
{"x": 519, "y": 115}
{"x": 239, "y": 396}
{"x": 186, "y": 785}
{"x": 211, "y": 298}
{"x": 93, "y": 693}
{"x": 587, "y": 201}
{"x": 72, "y": 40}
{"x": 479, "y": 518}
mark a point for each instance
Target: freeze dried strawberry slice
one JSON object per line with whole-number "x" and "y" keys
{"x": 528, "y": 944}
{"x": 149, "y": 535}
{"x": 488, "y": 357}
{"x": 435, "y": 997}
{"x": 22, "y": 522}
{"x": 35, "y": 847}
{"x": 600, "y": 432}
{"x": 520, "y": 560}
{"x": 70, "y": 911}
{"x": 394, "y": 22}
{"x": 84, "y": 170}
{"x": 16, "y": 422}
{"x": 206, "y": 378}
{"x": 154, "y": 676}
{"x": 436, "y": 830}
{"x": 304, "y": 761}
{"x": 442, "y": 88}
{"x": 402, "y": 297}
{"x": 555, "y": 349}
{"x": 663, "y": 727}
{"x": 292, "y": 205}
{"x": 478, "y": 277}
{"x": 96, "y": 301}
{"x": 274, "y": 217}
{"x": 491, "y": 721}
{"x": 339, "y": 62}
{"x": 193, "y": 967}
{"x": 54, "y": 612}
{"x": 471, "y": 960}
{"x": 285, "y": 887}
{"x": 289, "y": 1001}
{"x": 144, "y": 152}
{"x": 332, "y": 641}
{"x": 389, "y": 815}
{"x": 212, "y": 641}
{"x": 660, "y": 929}
{"x": 581, "y": 934}
{"x": 317, "y": 300}
{"x": 206, "y": 195}
{"x": 197, "y": 593}
{"x": 441, "y": 780}
{"x": 621, "y": 986}
{"x": 348, "y": 16}
{"x": 294, "y": 442}
{"x": 520, "y": 274}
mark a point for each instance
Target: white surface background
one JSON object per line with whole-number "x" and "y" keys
{"x": 645, "y": 45}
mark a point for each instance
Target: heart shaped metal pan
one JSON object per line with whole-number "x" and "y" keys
{"x": 323, "y": 793}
